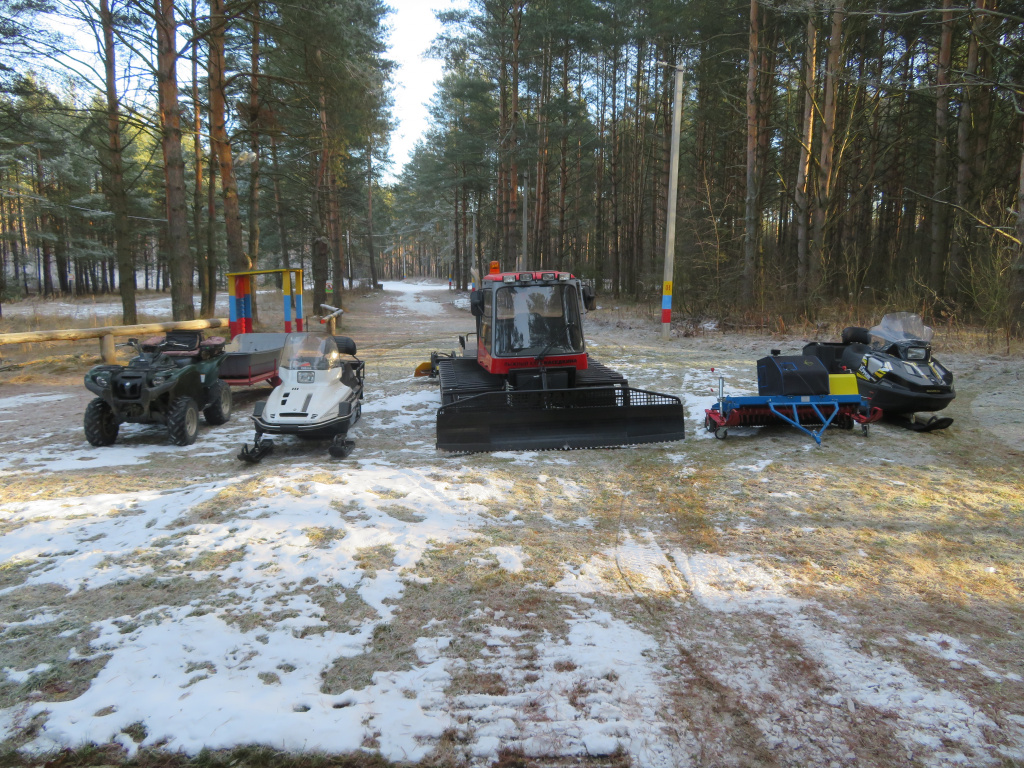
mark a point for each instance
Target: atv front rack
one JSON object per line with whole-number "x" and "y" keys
{"x": 559, "y": 419}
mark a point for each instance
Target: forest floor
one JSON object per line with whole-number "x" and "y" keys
{"x": 753, "y": 601}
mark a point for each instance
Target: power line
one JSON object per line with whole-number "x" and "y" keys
{"x": 5, "y": 193}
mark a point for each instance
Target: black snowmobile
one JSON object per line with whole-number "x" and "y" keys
{"x": 895, "y": 369}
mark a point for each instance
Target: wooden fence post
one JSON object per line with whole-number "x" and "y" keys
{"x": 107, "y": 351}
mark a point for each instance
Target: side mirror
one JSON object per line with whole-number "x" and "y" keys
{"x": 589, "y": 297}
{"x": 476, "y": 303}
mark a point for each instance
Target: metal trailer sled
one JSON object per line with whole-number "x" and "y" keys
{"x": 811, "y": 414}
{"x": 529, "y": 383}
{"x": 251, "y": 358}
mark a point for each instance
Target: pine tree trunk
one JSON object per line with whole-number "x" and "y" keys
{"x": 563, "y": 160}
{"x": 939, "y": 172}
{"x": 961, "y": 235}
{"x": 751, "y": 214}
{"x": 816, "y": 257}
{"x": 467, "y": 254}
{"x": 456, "y": 273}
{"x": 206, "y": 308}
{"x": 369, "y": 216}
{"x": 237, "y": 260}
{"x": 254, "y": 143}
{"x": 1017, "y": 262}
{"x": 179, "y": 256}
{"x": 614, "y": 173}
{"x": 211, "y": 231}
{"x": 46, "y": 279}
{"x": 516, "y": 209}
{"x": 337, "y": 257}
{"x": 24, "y": 234}
{"x": 803, "y": 168}
{"x": 278, "y": 209}
{"x": 60, "y": 252}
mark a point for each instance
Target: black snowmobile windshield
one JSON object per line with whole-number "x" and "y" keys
{"x": 536, "y": 319}
{"x": 310, "y": 351}
{"x": 902, "y": 326}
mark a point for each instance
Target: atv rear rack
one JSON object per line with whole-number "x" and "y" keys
{"x": 559, "y": 419}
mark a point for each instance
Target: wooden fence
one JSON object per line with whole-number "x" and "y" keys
{"x": 106, "y": 335}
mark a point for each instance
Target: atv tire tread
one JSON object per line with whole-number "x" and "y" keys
{"x": 183, "y": 421}
{"x": 101, "y": 426}
{"x": 218, "y": 408}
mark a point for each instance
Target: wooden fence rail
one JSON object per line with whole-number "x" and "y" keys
{"x": 106, "y": 335}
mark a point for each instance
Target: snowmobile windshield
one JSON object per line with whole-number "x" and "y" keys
{"x": 535, "y": 319}
{"x": 310, "y": 351}
{"x": 902, "y": 326}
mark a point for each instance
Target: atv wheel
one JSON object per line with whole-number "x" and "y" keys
{"x": 218, "y": 409}
{"x": 100, "y": 424}
{"x": 183, "y": 421}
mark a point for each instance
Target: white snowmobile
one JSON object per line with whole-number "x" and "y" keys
{"x": 318, "y": 397}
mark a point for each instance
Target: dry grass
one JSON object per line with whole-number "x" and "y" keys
{"x": 248, "y": 756}
{"x": 403, "y": 513}
{"x": 886, "y": 557}
{"x": 951, "y": 537}
{"x": 373, "y": 559}
{"x": 323, "y": 537}
{"x": 224, "y": 506}
{"x": 216, "y": 560}
{"x": 46, "y": 486}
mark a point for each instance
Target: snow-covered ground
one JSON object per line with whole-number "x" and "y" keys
{"x": 555, "y": 625}
{"x": 415, "y": 298}
{"x": 159, "y": 306}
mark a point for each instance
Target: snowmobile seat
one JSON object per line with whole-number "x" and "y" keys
{"x": 856, "y": 335}
{"x": 346, "y": 345}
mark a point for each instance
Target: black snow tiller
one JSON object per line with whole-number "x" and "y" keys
{"x": 530, "y": 385}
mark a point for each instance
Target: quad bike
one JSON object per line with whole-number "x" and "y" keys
{"x": 529, "y": 383}
{"x": 895, "y": 369}
{"x": 318, "y": 397}
{"x": 168, "y": 382}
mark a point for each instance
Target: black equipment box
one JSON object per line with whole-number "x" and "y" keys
{"x": 789, "y": 376}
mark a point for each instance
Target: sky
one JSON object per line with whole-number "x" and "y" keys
{"x": 413, "y": 29}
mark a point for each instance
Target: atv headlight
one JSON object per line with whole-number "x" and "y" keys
{"x": 917, "y": 353}
{"x": 102, "y": 379}
{"x": 159, "y": 379}
{"x": 305, "y": 377}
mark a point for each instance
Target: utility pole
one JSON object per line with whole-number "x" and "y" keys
{"x": 476, "y": 256}
{"x": 526, "y": 193}
{"x": 670, "y": 217}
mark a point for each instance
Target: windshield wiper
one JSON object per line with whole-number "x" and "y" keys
{"x": 544, "y": 352}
